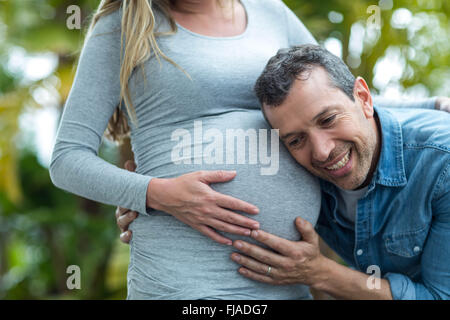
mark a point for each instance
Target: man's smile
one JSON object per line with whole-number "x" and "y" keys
{"x": 341, "y": 166}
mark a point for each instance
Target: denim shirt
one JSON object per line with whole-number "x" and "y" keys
{"x": 403, "y": 221}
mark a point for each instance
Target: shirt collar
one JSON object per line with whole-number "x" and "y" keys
{"x": 390, "y": 169}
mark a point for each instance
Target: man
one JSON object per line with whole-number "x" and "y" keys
{"x": 385, "y": 185}
{"x": 384, "y": 178}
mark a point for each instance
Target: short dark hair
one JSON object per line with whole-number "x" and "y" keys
{"x": 273, "y": 85}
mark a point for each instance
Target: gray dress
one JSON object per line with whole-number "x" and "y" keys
{"x": 211, "y": 121}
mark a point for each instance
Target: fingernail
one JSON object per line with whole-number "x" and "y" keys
{"x": 256, "y": 226}
{"x": 247, "y": 232}
{"x": 254, "y": 233}
{"x": 238, "y": 245}
{"x": 236, "y": 257}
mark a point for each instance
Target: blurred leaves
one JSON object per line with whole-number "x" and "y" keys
{"x": 421, "y": 40}
{"x": 49, "y": 231}
{"x": 43, "y": 229}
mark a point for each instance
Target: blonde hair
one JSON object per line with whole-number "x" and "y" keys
{"x": 138, "y": 43}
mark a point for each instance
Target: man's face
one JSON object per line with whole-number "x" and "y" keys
{"x": 332, "y": 136}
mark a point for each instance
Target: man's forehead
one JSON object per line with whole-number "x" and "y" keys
{"x": 313, "y": 91}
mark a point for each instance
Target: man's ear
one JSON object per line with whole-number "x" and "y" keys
{"x": 362, "y": 95}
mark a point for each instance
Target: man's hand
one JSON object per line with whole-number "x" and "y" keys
{"x": 125, "y": 216}
{"x": 301, "y": 262}
{"x": 293, "y": 262}
{"x": 443, "y": 104}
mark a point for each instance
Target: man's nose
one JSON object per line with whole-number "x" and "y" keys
{"x": 322, "y": 146}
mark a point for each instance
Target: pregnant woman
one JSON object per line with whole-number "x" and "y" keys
{"x": 191, "y": 109}
{"x": 183, "y": 72}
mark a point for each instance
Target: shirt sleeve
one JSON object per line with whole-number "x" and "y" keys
{"x": 95, "y": 93}
{"x": 425, "y": 103}
{"x": 435, "y": 262}
{"x": 297, "y": 32}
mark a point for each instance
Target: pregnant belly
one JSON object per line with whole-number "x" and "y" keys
{"x": 282, "y": 192}
{"x": 267, "y": 176}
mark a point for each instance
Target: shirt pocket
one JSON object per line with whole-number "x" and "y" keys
{"x": 404, "y": 250}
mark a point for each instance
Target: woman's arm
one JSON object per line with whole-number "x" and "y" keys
{"x": 424, "y": 103}
{"x": 437, "y": 103}
{"x": 75, "y": 165}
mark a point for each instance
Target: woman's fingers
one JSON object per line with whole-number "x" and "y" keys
{"x": 225, "y": 201}
{"x": 209, "y": 232}
{"x": 216, "y": 176}
{"x": 190, "y": 199}
{"x": 232, "y": 203}
{"x": 227, "y": 227}
{"x": 235, "y": 219}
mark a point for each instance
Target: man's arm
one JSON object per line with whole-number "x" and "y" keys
{"x": 344, "y": 283}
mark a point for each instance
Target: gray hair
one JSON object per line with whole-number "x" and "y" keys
{"x": 273, "y": 85}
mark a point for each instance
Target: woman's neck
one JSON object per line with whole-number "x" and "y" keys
{"x": 210, "y": 17}
{"x": 202, "y": 7}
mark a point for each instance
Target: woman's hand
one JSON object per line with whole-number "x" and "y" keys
{"x": 190, "y": 199}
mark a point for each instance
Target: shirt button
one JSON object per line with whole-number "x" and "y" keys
{"x": 359, "y": 252}
{"x": 416, "y": 249}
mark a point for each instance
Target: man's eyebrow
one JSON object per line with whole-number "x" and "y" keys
{"x": 287, "y": 135}
{"x": 324, "y": 111}
{"x": 317, "y": 116}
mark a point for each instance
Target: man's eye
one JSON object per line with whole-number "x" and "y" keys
{"x": 328, "y": 120}
{"x": 295, "y": 142}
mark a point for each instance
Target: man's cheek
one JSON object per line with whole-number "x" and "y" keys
{"x": 301, "y": 160}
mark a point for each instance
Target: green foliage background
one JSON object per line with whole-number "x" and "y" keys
{"x": 43, "y": 230}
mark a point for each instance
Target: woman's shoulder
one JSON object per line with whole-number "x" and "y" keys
{"x": 269, "y": 10}
{"x": 109, "y": 23}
